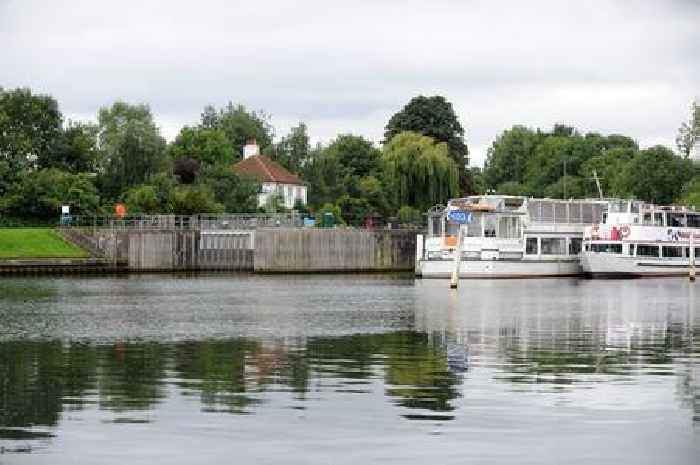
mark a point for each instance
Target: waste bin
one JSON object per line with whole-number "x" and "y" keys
{"x": 328, "y": 220}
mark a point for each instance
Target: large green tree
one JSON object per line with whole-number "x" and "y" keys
{"x": 508, "y": 156}
{"x": 419, "y": 171}
{"x": 75, "y": 149}
{"x": 689, "y": 132}
{"x": 30, "y": 125}
{"x": 690, "y": 195}
{"x": 240, "y": 125}
{"x": 433, "y": 117}
{"x": 208, "y": 146}
{"x": 336, "y": 170}
{"x": 656, "y": 175}
{"x": 42, "y": 194}
{"x": 237, "y": 194}
{"x": 132, "y": 145}
{"x": 292, "y": 151}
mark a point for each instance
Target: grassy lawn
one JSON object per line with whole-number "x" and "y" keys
{"x": 36, "y": 243}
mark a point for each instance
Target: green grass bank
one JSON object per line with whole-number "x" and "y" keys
{"x": 36, "y": 243}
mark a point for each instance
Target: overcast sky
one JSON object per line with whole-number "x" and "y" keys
{"x": 630, "y": 67}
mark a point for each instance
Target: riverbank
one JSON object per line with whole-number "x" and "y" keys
{"x": 262, "y": 250}
{"x": 36, "y": 244}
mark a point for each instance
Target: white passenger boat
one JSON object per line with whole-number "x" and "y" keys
{"x": 506, "y": 237}
{"x": 638, "y": 239}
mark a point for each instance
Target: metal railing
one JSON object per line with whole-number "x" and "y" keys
{"x": 182, "y": 222}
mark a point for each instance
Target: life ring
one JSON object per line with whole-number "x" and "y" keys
{"x": 625, "y": 230}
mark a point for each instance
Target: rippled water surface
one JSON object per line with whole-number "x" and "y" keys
{"x": 347, "y": 370}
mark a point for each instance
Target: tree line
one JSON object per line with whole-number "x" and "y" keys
{"x": 423, "y": 160}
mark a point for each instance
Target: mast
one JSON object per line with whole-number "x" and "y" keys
{"x": 597, "y": 183}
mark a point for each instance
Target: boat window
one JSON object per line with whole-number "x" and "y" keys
{"x": 509, "y": 227}
{"x": 631, "y": 251}
{"x": 474, "y": 228}
{"x": 675, "y": 219}
{"x": 635, "y": 207}
{"x": 647, "y": 250}
{"x": 697, "y": 253}
{"x": 607, "y": 248}
{"x": 489, "y": 225}
{"x": 658, "y": 219}
{"x": 587, "y": 247}
{"x": 605, "y": 217}
{"x": 553, "y": 245}
{"x": 531, "y": 246}
{"x": 647, "y": 218}
{"x": 618, "y": 207}
{"x": 672, "y": 252}
{"x": 694, "y": 221}
{"x": 575, "y": 245}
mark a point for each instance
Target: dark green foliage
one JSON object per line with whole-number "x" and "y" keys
{"x": 433, "y": 117}
{"x": 292, "y": 151}
{"x": 42, "y": 194}
{"x": 410, "y": 215}
{"x": 239, "y": 125}
{"x": 419, "y": 171}
{"x": 689, "y": 132}
{"x": 75, "y": 149}
{"x": 133, "y": 148}
{"x": 656, "y": 175}
{"x": 44, "y": 165}
{"x": 208, "y": 146}
{"x": 508, "y": 156}
{"x": 30, "y": 125}
{"x": 563, "y": 163}
{"x": 193, "y": 200}
{"x": 353, "y": 210}
{"x": 186, "y": 170}
{"x": 237, "y": 194}
{"x": 690, "y": 195}
{"x": 336, "y": 170}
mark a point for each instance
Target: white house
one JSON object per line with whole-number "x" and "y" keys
{"x": 275, "y": 179}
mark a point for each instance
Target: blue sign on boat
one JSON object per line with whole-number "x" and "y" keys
{"x": 459, "y": 216}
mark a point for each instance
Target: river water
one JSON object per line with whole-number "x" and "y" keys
{"x": 225, "y": 368}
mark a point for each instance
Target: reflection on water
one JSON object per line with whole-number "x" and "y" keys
{"x": 358, "y": 353}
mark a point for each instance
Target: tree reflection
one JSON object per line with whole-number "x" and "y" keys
{"x": 38, "y": 380}
{"x": 131, "y": 375}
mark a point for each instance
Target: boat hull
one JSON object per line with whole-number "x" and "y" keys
{"x": 490, "y": 269}
{"x": 605, "y": 265}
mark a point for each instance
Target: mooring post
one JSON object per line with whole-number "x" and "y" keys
{"x": 691, "y": 271}
{"x": 458, "y": 259}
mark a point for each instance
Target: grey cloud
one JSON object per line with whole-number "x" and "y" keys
{"x": 347, "y": 66}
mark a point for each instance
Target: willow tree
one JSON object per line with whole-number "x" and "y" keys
{"x": 419, "y": 171}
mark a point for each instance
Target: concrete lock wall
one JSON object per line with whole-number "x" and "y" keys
{"x": 270, "y": 250}
{"x": 333, "y": 250}
{"x": 188, "y": 250}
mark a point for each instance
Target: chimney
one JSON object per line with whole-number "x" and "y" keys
{"x": 250, "y": 149}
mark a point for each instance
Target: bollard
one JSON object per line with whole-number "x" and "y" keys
{"x": 691, "y": 271}
{"x": 454, "y": 281}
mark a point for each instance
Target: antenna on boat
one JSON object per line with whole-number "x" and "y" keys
{"x": 597, "y": 183}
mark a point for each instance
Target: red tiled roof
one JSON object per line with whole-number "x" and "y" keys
{"x": 265, "y": 170}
